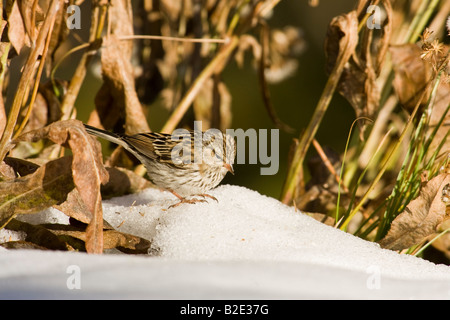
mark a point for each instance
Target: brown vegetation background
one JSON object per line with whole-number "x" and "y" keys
{"x": 363, "y": 113}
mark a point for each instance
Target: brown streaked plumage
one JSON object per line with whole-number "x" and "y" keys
{"x": 175, "y": 163}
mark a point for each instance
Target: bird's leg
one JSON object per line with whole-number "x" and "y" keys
{"x": 184, "y": 200}
{"x": 208, "y": 196}
{"x": 176, "y": 195}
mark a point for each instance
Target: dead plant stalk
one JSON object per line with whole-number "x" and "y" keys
{"x": 27, "y": 75}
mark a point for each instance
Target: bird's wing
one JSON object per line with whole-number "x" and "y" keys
{"x": 162, "y": 147}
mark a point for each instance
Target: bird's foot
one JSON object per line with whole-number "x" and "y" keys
{"x": 204, "y": 195}
{"x": 184, "y": 200}
{"x": 191, "y": 201}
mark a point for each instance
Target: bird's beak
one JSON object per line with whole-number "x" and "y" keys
{"x": 229, "y": 167}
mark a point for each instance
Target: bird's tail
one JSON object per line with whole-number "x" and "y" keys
{"x": 110, "y": 136}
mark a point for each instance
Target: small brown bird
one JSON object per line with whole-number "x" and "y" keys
{"x": 185, "y": 163}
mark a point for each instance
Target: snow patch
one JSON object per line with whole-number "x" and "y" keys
{"x": 246, "y": 245}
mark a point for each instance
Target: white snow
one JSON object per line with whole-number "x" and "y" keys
{"x": 245, "y": 246}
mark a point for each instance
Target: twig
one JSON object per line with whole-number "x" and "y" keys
{"x": 3, "y": 64}
{"x": 38, "y": 78}
{"x": 155, "y": 37}
{"x": 216, "y": 63}
{"x": 67, "y": 54}
{"x": 27, "y": 74}
{"x": 263, "y": 82}
{"x": 328, "y": 164}
{"x": 80, "y": 73}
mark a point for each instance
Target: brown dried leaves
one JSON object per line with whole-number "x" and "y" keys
{"x": 421, "y": 217}
{"x": 52, "y": 182}
{"x": 25, "y": 19}
{"x": 47, "y": 186}
{"x": 117, "y": 99}
{"x": 16, "y": 28}
{"x": 358, "y": 80}
{"x": 412, "y": 75}
{"x": 72, "y": 184}
{"x": 341, "y": 39}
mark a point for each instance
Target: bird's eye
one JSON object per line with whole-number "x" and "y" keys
{"x": 216, "y": 155}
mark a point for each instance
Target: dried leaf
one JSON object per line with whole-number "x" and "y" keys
{"x": 131, "y": 244}
{"x": 421, "y": 216}
{"x": 358, "y": 86}
{"x": 341, "y": 39}
{"x": 74, "y": 207}
{"x": 111, "y": 238}
{"x": 6, "y": 172}
{"x": 16, "y": 28}
{"x": 32, "y": 15}
{"x": 118, "y": 91}
{"x": 49, "y": 185}
{"x": 358, "y": 80}
{"x": 117, "y": 98}
{"x": 23, "y": 245}
{"x": 70, "y": 237}
{"x": 87, "y": 168}
{"x": 21, "y": 167}
{"x": 412, "y": 74}
{"x": 37, "y": 235}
